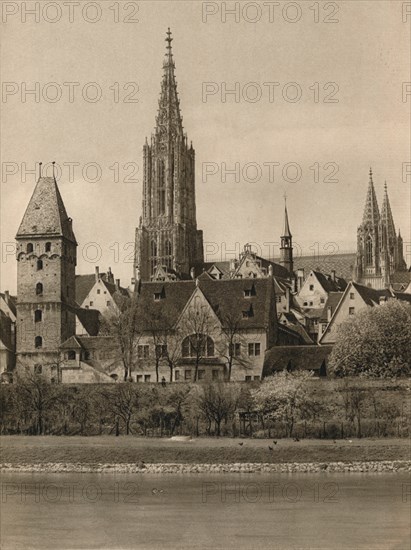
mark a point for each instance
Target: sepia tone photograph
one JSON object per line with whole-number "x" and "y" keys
{"x": 205, "y": 277}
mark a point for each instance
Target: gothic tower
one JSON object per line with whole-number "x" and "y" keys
{"x": 46, "y": 262}
{"x": 167, "y": 235}
{"x": 286, "y": 249}
{"x": 379, "y": 250}
{"x": 368, "y": 268}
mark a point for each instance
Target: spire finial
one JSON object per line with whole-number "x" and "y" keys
{"x": 40, "y": 163}
{"x": 285, "y": 199}
{"x": 385, "y": 186}
{"x": 54, "y": 171}
{"x": 370, "y": 174}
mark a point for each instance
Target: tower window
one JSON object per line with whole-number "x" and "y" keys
{"x": 168, "y": 248}
{"x": 153, "y": 248}
{"x": 30, "y": 248}
{"x": 38, "y": 316}
{"x": 39, "y": 289}
{"x": 38, "y": 342}
{"x": 48, "y": 247}
{"x": 368, "y": 251}
{"x": 39, "y": 265}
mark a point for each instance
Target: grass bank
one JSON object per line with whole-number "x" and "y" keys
{"x": 131, "y": 450}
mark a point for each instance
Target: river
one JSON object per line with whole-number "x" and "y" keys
{"x": 241, "y": 511}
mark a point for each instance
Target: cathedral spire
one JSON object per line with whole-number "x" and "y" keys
{"x": 371, "y": 211}
{"x": 169, "y": 121}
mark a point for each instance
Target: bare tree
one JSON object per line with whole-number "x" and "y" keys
{"x": 121, "y": 323}
{"x": 218, "y": 402}
{"x": 231, "y": 343}
{"x": 198, "y": 326}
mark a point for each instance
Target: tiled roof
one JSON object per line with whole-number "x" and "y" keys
{"x": 293, "y": 324}
{"x": 46, "y": 213}
{"x": 90, "y": 319}
{"x": 370, "y": 295}
{"x": 403, "y": 277}
{"x": 226, "y": 297}
{"x": 342, "y": 264}
{"x": 403, "y": 296}
{"x": 295, "y": 357}
{"x": 11, "y": 302}
{"x": 330, "y": 285}
{"x": 332, "y": 302}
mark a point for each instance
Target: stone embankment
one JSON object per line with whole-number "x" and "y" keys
{"x": 245, "y": 468}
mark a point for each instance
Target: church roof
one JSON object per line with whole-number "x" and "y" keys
{"x": 286, "y": 230}
{"x": 46, "y": 214}
{"x": 342, "y": 264}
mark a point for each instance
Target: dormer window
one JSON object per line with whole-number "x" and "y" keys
{"x": 159, "y": 295}
{"x": 248, "y": 313}
{"x": 249, "y": 292}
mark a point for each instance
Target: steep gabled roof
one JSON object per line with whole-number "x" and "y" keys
{"x": 332, "y": 302}
{"x": 46, "y": 214}
{"x": 227, "y": 297}
{"x": 90, "y": 319}
{"x": 330, "y": 285}
{"x": 371, "y": 296}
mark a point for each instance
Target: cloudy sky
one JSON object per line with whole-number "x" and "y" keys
{"x": 318, "y": 102}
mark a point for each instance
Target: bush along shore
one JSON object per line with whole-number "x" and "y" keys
{"x": 241, "y": 468}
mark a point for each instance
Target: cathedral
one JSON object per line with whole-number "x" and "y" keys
{"x": 167, "y": 236}
{"x": 380, "y": 260}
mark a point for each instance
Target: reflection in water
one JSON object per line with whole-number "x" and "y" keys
{"x": 304, "y": 511}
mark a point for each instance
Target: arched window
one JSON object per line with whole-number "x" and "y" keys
{"x": 30, "y": 248}
{"x": 38, "y": 316}
{"x": 168, "y": 251}
{"x": 38, "y": 342}
{"x": 368, "y": 251}
{"x": 153, "y": 248}
{"x": 39, "y": 289}
{"x": 71, "y": 355}
{"x": 161, "y": 188}
{"x": 48, "y": 247}
{"x": 197, "y": 345}
{"x": 39, "y": 265}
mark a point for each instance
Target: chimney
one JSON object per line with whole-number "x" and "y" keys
{"x": 118, "y": 283}
{"x": 7, "y": 296}
{"x": 192, "y": 273}
{"x": 333, "y": 275}
{"x": 110, "y": 276}
{"x": 270, "y": 271}
{"x": 97, "y": 273}
{"x": 329, "y": 313}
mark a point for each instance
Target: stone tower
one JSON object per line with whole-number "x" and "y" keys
{"x": 286, "y": 249}
{"x": 167, "y": 235}
{"x": 379, "y": 250}
{"x": 46, "y": 262}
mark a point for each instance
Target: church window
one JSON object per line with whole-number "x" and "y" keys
{"x": 48, "y": 247}
{"x": 153, "y": 248}
{"x": 168, "y": 248}
{"x": 161, "y": 189}
{"x": 39, "y": 265}
{"x": 38, "y": 342}
{"x": 30, "y": 248}
{"x": 39, "y": 289}
{"x": 368, "y": 251}
{"x": 38, "y": 316}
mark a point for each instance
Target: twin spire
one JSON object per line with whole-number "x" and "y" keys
{"x": 372, "y": 213}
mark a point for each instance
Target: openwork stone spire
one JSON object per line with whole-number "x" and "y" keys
{"x": 387, "y": 219}
{"x": 371, "y": 211}
{"x": 169, "y": 123}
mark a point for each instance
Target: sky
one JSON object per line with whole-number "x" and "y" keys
{"x": 320, "y": 97}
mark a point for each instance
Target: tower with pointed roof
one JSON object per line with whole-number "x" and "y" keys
{"x": 46, "y": 262}
{"x": 286, "y": 249}
{"x": 379, "y": 250}
{"x": 167, "y": 235}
